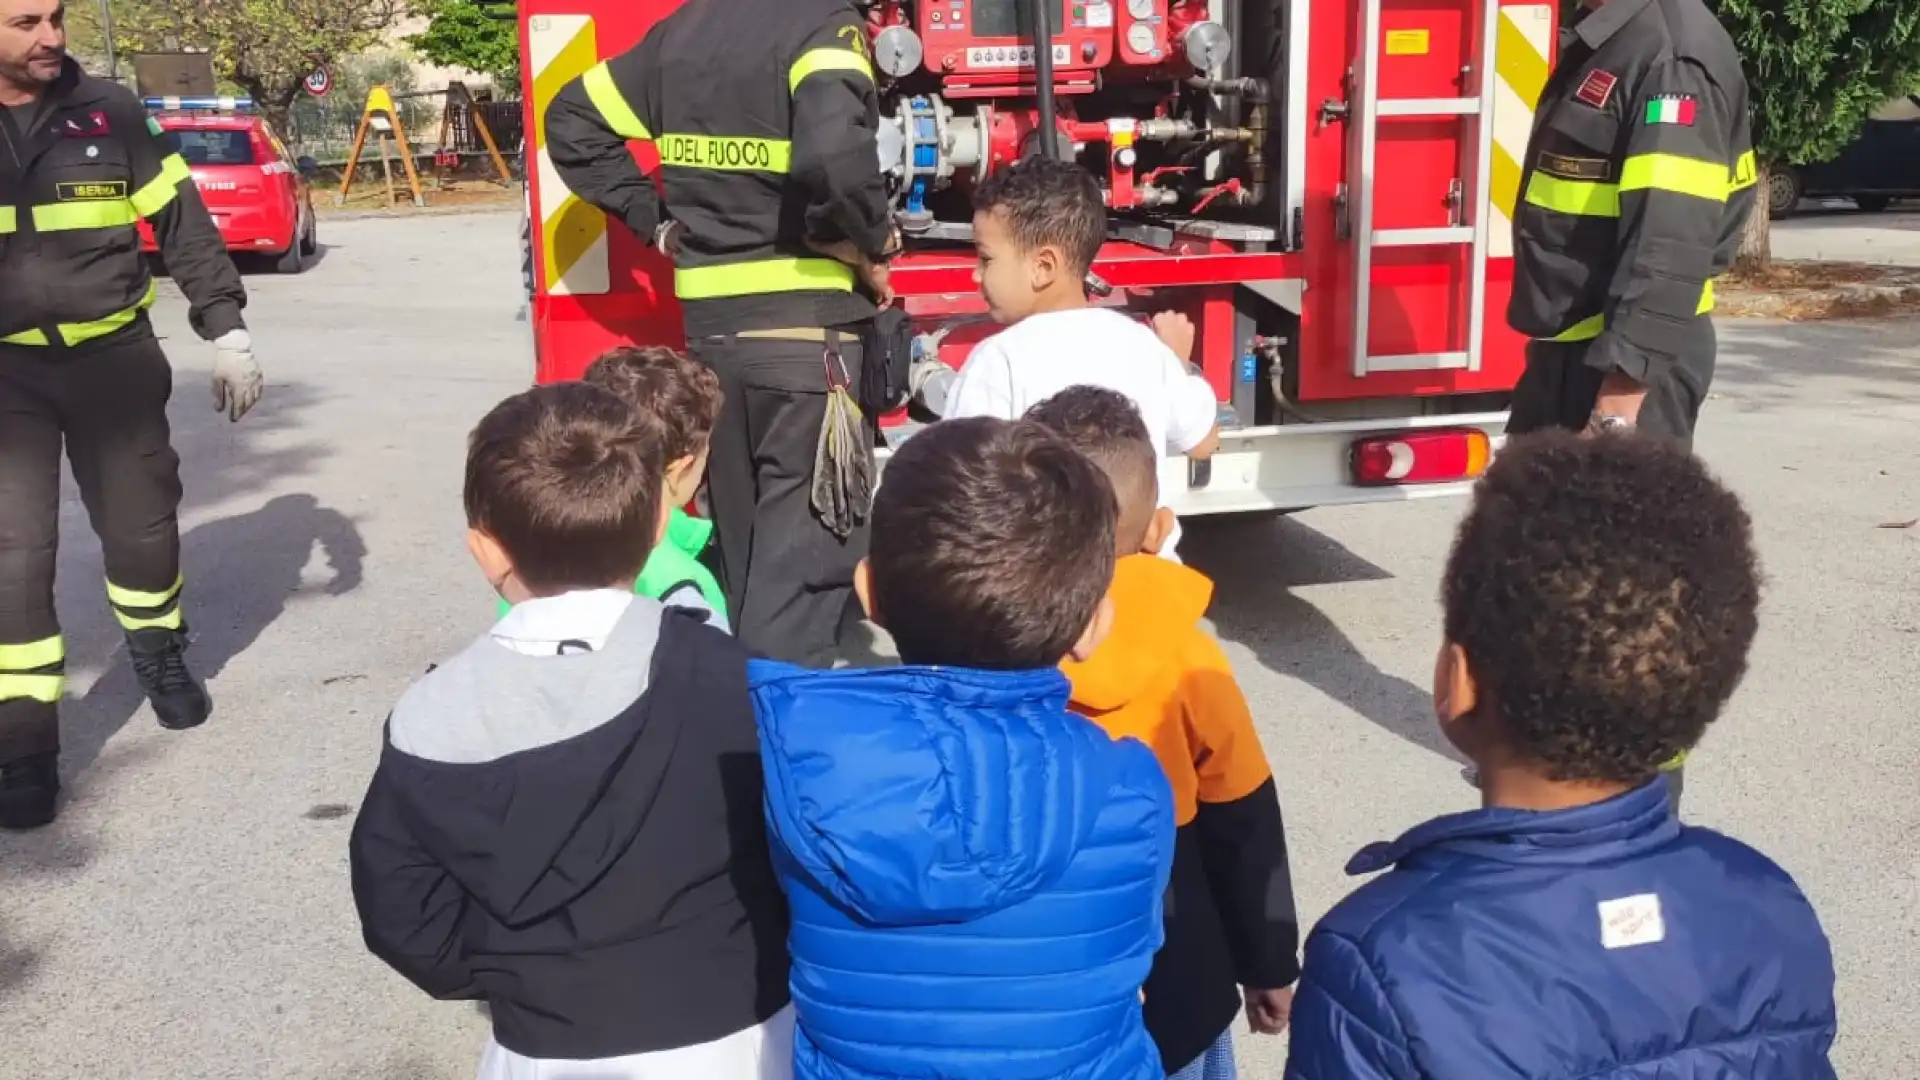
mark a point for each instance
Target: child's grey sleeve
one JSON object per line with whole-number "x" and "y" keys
{"x": 688, "y": 595}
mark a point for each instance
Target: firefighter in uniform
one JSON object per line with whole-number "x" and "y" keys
{"x": 764, "y": 114}
{"x": 80, "y": 163}
{"x": 1635, "y": 192}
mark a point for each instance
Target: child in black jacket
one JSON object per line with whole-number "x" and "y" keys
{"x": 565, "y": 821}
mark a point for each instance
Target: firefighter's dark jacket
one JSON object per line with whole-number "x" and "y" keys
{"x": 1636, "y": 186}
{"x": 71, "y": 192}
{"x": 764, "y": 114}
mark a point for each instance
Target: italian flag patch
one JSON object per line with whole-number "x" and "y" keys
{"x": 1674, "y": 109}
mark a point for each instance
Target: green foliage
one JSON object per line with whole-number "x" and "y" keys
{"x": 462, "y": 33}
{"x": 1817, "y": 68}
{"x": 263, "y": 47}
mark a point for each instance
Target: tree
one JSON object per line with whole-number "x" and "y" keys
{"x": 264, "y": 47}
{"x": 477, "y": 36}
{"x": 1815, "y": 70}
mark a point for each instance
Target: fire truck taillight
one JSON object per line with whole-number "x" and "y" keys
{"x": 1420, "y": 457}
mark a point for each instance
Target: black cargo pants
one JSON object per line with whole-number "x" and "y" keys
{"x": 789, "y": 579}
{"x": 1558, "y": 390}
{"x": 106, "y": 402}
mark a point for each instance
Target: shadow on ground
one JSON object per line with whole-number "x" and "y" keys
{"x": 1254, "y": 604}
{"x": 240, "y": 570}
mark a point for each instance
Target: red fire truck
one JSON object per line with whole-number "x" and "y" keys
{"x": 1325, "y": 187}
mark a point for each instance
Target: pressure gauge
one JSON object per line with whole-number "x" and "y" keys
{"x": 1207, "y": 45}
{"x": 1140, "y": 38}
{"x": 1140, "y": 9}
{"x": 897, "y": 51}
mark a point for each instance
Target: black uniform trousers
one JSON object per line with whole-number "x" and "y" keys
{"x": 789, "y": 579}
{"x": 106, "y": 401}
{"x": 1558, "y": 390}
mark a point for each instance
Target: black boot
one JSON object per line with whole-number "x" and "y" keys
{"x": 159, "y": 663}
{"x": 28, "y": 788}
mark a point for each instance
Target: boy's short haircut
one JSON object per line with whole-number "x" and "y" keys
{"x": 1048, "y": 202}
{"x": 1605, "y": 592}
{"x": 1106, "y": 426}
{"x": 992, "y": 545}
{"x": 567, "y": 478}
{"x": 680, "y": 393}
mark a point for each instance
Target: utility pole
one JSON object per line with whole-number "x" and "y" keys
{"x": 106, "y": 34}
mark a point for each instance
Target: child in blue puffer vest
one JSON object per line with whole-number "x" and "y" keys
{"x": 1600, "y": 601}
{"x": 975, "y": 873}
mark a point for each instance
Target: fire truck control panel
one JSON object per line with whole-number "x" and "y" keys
{"x": 1324, "y": 187}
{"x": 1131, "y": 93}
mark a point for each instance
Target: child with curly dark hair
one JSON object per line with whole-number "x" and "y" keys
{"x": 1600, "y": 601}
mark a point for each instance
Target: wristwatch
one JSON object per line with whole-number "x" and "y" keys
{"x": 1609, "y": 424}
{"x": 664, "y": 237}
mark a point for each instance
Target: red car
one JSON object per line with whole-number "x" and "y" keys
{"x": 257, "y": 192}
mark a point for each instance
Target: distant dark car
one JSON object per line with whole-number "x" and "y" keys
{"x": 1882, "y": 165}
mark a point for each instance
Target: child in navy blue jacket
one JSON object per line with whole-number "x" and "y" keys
{"x": 975, "y": 873}
{"x": 1600, "y": 601}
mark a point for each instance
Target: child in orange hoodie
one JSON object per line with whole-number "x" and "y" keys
{"x": 1231, "y": 933}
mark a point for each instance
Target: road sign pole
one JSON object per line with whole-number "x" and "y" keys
{"x": 106, "y": 34}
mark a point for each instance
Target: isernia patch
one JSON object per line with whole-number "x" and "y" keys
{"x": 1675, "y": 109}
{"x": 90, "y": 191}
{"x": 1572, "y": 168}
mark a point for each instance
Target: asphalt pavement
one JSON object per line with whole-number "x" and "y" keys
{"x": 1833, "y": 230}
{"x": 189, "y": 915}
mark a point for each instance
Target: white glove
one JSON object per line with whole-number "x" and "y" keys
{"x": 236, "y": 377}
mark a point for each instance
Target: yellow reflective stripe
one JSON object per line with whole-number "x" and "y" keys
{"x": 89, "y": 214}
{"x": 77, "y": 333}
{"x": 1584, "y": 330}
{"x": 1707, "y": 180}
{"x": 612, "y": 104}
{"x": 725, "y": 152}
{"x": 156, "y": 193}
{"x": 33, "y": 654}
{"x": 1582, "y": 197}
{"x": 1589, "y": 328}
{"x": 121, "y": 596}
{"x": 1745, "y": 173}
{"x": 814, "y": 61}
{"x": 172, "y": 620}
{"x": 9, "y": 219}
{"x": 761, "y": 276}
{"x": 44, "y": 688}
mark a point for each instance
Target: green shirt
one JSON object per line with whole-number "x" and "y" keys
{"x": 675, "y": 564}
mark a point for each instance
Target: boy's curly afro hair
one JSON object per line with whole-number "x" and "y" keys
{"x": 1605, "y": 592}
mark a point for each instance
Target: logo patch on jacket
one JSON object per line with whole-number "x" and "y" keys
{"x": 94, "y": 125}
{"x": 1631, "y": 920}
{"x": 1572, "y": 168}
{"x": 1597, "y": 90}
{"x": 1676, "y": 109}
